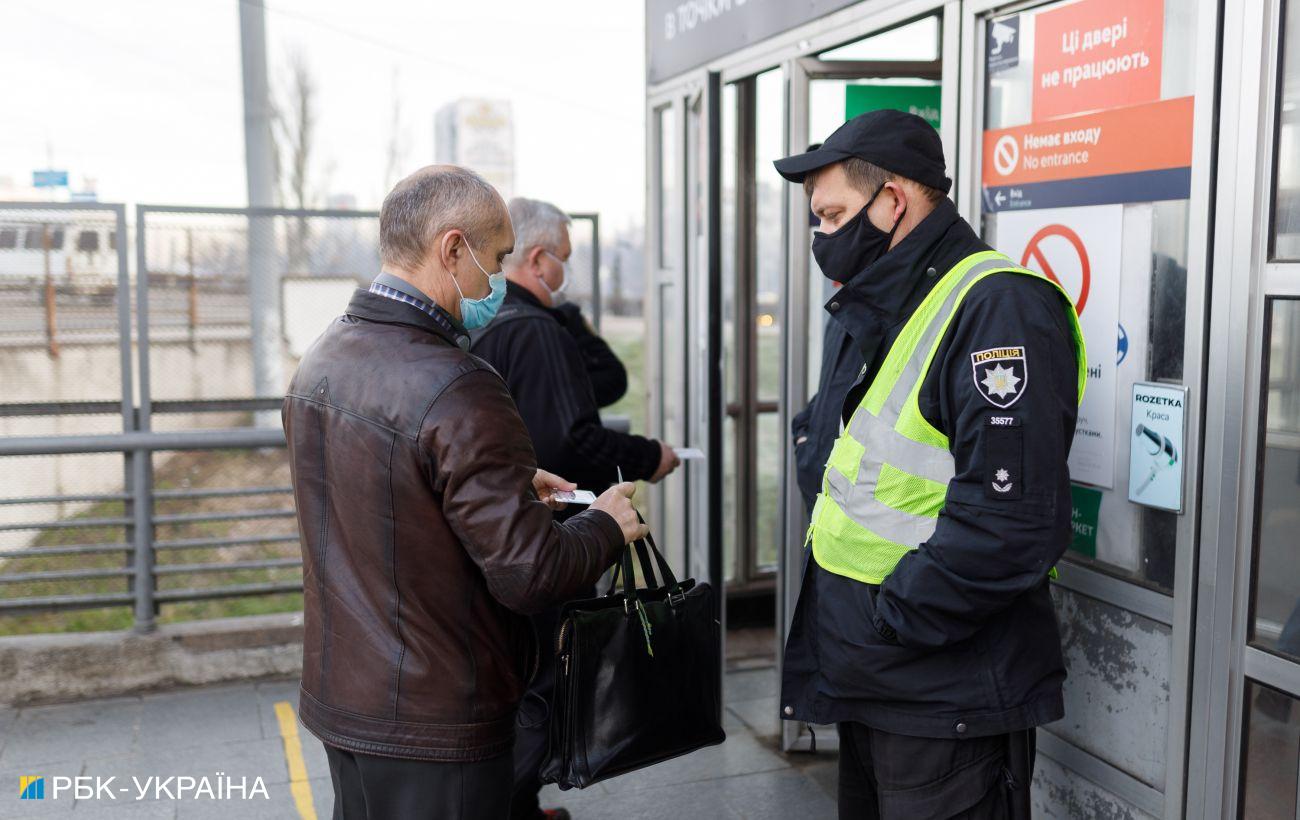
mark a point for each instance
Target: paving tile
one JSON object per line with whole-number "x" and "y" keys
{"x": 270, "y": 693}
{"x": 774, "y": 796}
{"x": 224, "y": 713}
{"x": 279, "y": 806}
{"x": 740, "y": 754}
{"x": 132, "y": 810}
{"x": 691, "y": 800}
{"x": 47, "y": 809}
{"x": 750, "y": 685}
{"x": 322, "y": 795}
{"x": 731, "y": 723}
{"x": 70, "y": 809}
{"x": 67, "y": 731}
{"x": 245, "y": 759}
{"x": 759, "y": 716}
{"x": 313, "y": 755}
{"x": 313, "y": 751}
{"x": 7, "y": 718}
{"x": 825, "y": 773}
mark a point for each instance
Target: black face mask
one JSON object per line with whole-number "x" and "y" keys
{"x": 855, "y": 245}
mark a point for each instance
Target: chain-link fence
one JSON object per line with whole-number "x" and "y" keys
{"x": 145, "y": 475}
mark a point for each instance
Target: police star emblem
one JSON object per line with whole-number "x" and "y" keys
{"x": 1000, "y": 374}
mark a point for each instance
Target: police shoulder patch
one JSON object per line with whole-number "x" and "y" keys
{"x": 1000, "y": 374}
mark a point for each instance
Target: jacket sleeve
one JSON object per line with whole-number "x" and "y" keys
{"x": 799, "y": 424}
{"x": 604, "y": 368}
{"x": 545, "y": 361}
{"x": 481, "y": 464}
{"x": 1006, "y": 517}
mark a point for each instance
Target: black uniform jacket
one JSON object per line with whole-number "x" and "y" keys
{"x": 819, "y": 422}
{"x": 961, "y": 640}
{"x": 549, "y": 367}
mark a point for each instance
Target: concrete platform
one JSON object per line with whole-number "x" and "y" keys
{"x": 234, "y": 729}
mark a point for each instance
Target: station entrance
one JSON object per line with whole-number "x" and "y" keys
{"x": 1141, "y": 154}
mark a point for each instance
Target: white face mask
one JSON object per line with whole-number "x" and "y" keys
{"x": 564, "y": 278}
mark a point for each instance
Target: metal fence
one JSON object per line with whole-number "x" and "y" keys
{"x": 145, "y": 471}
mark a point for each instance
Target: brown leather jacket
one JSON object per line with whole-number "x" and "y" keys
{"x": 422, "y": 539}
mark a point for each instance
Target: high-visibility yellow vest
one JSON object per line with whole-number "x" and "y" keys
{"x": 888, "y": 474}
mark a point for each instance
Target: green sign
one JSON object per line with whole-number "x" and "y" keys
{"x": 921, "y": 100}
{"x": 1085, "y": 506}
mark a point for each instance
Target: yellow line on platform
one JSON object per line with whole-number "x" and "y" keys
{"x": 299, "y": 786}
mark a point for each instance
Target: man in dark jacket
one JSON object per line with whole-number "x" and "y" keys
{"x": 544, "y": 353}
{"x": 423, "y": 523}
{"x": 924, "y": 627}
{"x": 559, "y": 373}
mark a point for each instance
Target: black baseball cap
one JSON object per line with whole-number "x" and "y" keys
{"x": 897, "y": 141}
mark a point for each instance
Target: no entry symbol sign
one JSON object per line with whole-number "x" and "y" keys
{"x": 1006, "y": 155}
{"x": 1037, "y": 257}
{"x": 1079, "y": 250}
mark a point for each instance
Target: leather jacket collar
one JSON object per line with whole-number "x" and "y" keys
{"x": 376, "y": 308}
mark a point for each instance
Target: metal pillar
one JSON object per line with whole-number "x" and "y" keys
{"x": 263, "y": 275}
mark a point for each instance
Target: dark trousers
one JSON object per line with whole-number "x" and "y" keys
{"x": 884, "y": 776}
{"x": 369, "y": 787}
{"x": 532, "y": 731}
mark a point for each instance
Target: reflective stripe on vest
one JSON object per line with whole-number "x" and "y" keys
{"x": 888, "y": 473}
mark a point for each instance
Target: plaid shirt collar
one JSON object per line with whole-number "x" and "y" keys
{"x": 444, "y": 319}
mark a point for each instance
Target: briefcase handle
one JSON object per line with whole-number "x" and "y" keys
{"x": 666, "y": 578}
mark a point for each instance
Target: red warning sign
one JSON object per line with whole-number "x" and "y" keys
{"x": 1035, "y": 257}
{"x": 1097, "y": 54}
{"x": 1122, "y": 141}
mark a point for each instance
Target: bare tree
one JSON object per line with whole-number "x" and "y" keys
{"x": 294, "y": 120}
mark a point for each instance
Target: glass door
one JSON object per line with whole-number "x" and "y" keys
{"x": 1091, "y": 123}
{"x": 753, "y": 124}
{"x": 1259, "y": 698}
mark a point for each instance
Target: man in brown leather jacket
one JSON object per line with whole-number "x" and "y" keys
{"x": 425, "y": 524}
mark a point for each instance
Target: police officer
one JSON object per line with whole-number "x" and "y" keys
{"x": 924, "y": 627}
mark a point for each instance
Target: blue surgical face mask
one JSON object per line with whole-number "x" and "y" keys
{"x": 476, "y": 313}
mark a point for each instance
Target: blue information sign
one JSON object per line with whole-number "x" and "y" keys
{"x": 49, "y": 179}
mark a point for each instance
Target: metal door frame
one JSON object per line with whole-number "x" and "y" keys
{"x": 1247, "y": 278}
{"x": 658, "y": 278}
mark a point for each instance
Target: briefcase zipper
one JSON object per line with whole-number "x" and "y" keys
{"x": 565, "y": 693}
{"x": 564, "y": 628}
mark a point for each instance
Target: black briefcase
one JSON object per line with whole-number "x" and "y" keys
{"x": 637, "y": 676}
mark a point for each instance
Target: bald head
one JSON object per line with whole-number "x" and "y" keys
{"x": 430, "y": 202}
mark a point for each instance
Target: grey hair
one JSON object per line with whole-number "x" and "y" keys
{"x": 536, "y": 223}
{"x": 429, "y": 202}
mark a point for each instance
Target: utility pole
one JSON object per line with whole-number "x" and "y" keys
{"x": 259, "y": 162}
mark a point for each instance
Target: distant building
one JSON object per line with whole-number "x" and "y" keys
{"x": 478, "y": 134}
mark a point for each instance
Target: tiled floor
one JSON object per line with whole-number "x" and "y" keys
{"x": 233, "y": 730}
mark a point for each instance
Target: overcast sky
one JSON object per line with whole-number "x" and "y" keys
{"x": 145, "y": 95}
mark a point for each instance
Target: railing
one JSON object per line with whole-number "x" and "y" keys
{"x": 140, "y": 521}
